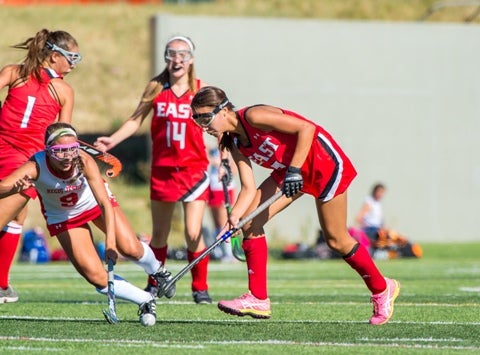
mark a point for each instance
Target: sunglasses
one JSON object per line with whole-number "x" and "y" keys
{"x": 64, "y": 151}
{"x": 206, "y": 119}
{"x": 73, "y": 58}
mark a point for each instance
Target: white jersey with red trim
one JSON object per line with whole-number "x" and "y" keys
{"x": 61, "y": 200}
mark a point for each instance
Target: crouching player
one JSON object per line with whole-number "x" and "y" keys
{"x": 72, "y": 194}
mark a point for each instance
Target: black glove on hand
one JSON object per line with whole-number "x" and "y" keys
{"x": 227, "y": 177}
{"x": 293, "y": 182}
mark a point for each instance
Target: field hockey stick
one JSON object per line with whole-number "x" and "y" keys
{"x": 220, "y": 240}
{"x": 237, "y": 250}
{"x": 114, "y": 165}
{"x": 111, "y": 313}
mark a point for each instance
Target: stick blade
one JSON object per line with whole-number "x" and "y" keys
{"x": 111, "y": 318}
{"x": 237, "y": 250}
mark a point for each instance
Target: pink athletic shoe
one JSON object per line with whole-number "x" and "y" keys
{"x": 383, "y": 303}
{"x": 247, "y": 304}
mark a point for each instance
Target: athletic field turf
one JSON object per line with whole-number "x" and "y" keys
{"x": 317, "y": 307}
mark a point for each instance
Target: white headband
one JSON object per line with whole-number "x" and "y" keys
{"x": 181, "y": 38}
{"x": 60, "y": 133}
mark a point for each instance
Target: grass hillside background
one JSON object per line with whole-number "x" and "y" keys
{"x": 114, "y": 41}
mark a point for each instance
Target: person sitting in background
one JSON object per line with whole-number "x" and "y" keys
{"x": 384, "y": 243}
{"x": 370, "y": 216}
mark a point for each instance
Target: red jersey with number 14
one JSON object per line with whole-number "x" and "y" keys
{"x": 177, "y": 141}
{"x": 28, "y": 110}
{"x": 327, "y": 171}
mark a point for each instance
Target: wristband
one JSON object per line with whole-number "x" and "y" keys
{"x": 294, "y": 170}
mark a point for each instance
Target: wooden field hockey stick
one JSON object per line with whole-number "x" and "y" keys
{"x": 237, "y": 250}
{"x": 111, "y": 313}
{"x": 113, "y": 163}
{"x": 220, "y": 240}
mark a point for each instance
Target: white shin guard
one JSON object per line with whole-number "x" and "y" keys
{"x": 126, "y": 291}
{"x": 148, "y": 261}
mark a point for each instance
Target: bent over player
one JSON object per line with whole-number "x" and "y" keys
{"x": 304, "y": 159}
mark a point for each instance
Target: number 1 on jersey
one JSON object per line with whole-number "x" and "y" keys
{"x": 28, "y": 111}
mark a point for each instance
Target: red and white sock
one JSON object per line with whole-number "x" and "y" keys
{"x": 256, "y": 253}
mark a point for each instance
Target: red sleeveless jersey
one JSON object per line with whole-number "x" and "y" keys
{"x": 177, "y": 141}
{"x": 327, "y": 171}
{"x": 27, "y": 112}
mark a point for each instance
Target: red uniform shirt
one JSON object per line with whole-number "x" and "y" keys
{"x": 327, "y": 171}
{"x": 28, "y": 110}
{"x": 177, "y": 141}
{"x": 25, "y": 115}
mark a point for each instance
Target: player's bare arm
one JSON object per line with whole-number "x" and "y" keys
{"x": 133, "y": 123}
{"x": 97, "y": 184}
{"x": 270, "y": 118}
{"x": 248, "y": 187}
{"x": 19, "y": 180}
{"x": 64, "y": 93}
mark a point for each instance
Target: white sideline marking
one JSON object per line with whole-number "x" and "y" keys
{"x": 470, "y": 289}
{"x": 203, "y": 344}
{"x": 429, "y": 339}
{"x": 230, "y": 321}
{"x": 29, "y": 348}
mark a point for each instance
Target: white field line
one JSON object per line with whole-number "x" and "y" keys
{"x": 230, "y": 321}
{"x": 202, "y": 344}
{"x": 29, "y": 348}
{"x": 319, "y": 303}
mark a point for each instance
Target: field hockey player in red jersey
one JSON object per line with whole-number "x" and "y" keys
{"x": 304, "y": 159}
{"x": 37, "y": 96}
{"x": 73, "y": 194}
{"x": 179, "y": 159}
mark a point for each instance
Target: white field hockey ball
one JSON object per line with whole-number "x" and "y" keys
{"x": 147, "y": 320}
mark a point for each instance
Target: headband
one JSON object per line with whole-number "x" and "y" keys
{"x": 184, "y": 39}
{"x": 60, "y": 133}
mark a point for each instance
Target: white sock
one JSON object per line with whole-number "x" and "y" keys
{"x": 148, "y": 261}
{"x": 126, "y": 291}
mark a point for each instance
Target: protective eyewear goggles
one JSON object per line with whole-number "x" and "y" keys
{"x": 206, "y": 119}
{"x": 172, "y": 54}
{"x": 73, "y": 58}
{"x": 64, "y": 151}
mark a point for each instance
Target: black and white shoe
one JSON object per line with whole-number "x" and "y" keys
{"x": 201, "y": 297}
{"x": 148, "y": 313}
{"x": 163, "y": 277}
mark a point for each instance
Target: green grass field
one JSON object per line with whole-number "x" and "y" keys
{"x": 317, "y": 307}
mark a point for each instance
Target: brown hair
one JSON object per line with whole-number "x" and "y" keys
{"x": 211, "y": 96}
{"x": 376, "y": 187}
{"x": 38, "y": 51}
